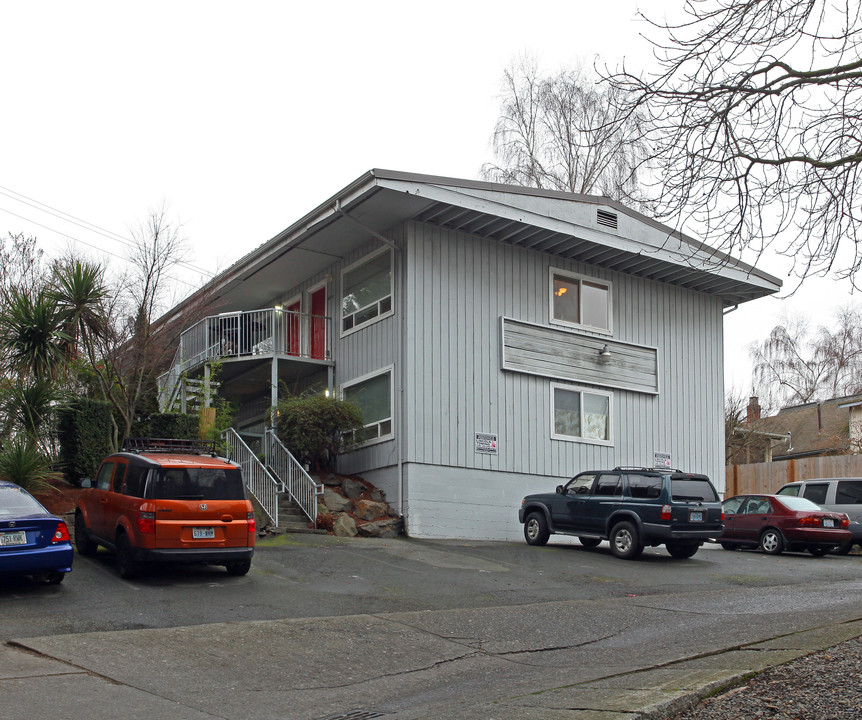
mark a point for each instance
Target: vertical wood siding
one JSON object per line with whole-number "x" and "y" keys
{"x": 459, "y": 285}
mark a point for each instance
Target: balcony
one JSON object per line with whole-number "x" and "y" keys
{"x": 248, "y": 339}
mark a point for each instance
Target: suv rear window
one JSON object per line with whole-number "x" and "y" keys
{"x": 816, "y": 493}
{"x": 849, "y": 492}
{"x": 197, "y": 484}
{"x": 692, "y": 489}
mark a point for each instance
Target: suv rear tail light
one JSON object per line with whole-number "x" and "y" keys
{"x": 250, "y": 519}
{"x": 665, "y": 512}
{"x": 61, "y": 534}
{"x": 147, "y": 523}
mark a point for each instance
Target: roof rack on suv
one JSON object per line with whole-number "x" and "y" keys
{"x": 169, "y": 445}
{"x": 646, "y": 469}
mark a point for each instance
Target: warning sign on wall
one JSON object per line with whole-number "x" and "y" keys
{"x": 662, "y": 461}
{"x": 486, "y": 443}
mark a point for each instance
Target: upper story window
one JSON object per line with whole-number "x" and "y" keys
{"x": 366, "y": 291}
{"x": 580, "y": 301}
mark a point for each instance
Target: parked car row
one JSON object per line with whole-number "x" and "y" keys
{"x": 633, "y": 508}
{"x": 158, "y": 501}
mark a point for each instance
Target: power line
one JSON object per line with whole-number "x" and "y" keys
{"x": 84, "y": 224}
{"x": 84, "y": 242}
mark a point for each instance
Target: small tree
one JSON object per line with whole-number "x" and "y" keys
{"x": 316, "y": 428}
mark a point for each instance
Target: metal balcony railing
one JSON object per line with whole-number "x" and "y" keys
{"x": 247, "y": 334}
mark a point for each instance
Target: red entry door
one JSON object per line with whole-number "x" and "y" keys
{"x": 293, "y": 328}
{"x": 318, "y": 324}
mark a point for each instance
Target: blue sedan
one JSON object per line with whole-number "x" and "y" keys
{"x": 32, "y": 540}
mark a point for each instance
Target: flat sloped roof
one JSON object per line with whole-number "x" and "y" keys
{"x": 583, "y": 228}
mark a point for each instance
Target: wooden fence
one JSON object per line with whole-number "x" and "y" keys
{"x": 769, "y": 476}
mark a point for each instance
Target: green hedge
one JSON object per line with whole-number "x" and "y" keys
{"x": 84, "y": 433}
{"x": 174, "y": 425}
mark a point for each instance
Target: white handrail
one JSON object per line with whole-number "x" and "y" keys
{"x": 258, "y": 479}
{"x": 301, "y": 486}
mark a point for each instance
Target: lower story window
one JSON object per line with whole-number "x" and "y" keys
{"x": 580, "y": 414}
{"x": 373, "y": 395}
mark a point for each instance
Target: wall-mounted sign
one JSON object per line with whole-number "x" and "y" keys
{"x": 486, "y": 444}
{"x": 662, "y": 461}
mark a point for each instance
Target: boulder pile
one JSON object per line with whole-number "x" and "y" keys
{"x": 352, "y": 506}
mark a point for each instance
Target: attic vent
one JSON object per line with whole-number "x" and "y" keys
{"x": 608, "y": 219}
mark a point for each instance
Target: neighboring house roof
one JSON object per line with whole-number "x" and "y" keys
{"x": 820, "y": 428}
{"x": 583, "y": 228}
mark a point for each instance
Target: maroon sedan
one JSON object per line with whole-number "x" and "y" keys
{"x": 781, "y": 522}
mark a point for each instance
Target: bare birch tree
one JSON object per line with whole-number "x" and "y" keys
{"x": 755, "y": 128}
{"x": 795, "y": 365}
{"x": 564, "y": 132}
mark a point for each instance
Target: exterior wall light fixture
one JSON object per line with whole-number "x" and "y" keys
{"x": 604, "y": 355}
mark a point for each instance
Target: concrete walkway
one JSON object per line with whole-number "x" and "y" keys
{"x": 446, "y": 665}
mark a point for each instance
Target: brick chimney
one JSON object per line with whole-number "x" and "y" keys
{"x": 752, "y": 412}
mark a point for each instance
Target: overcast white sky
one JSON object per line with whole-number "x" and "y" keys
{"x": 242, "y": 117}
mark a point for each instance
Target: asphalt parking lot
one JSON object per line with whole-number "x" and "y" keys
{"x": 323, "y": 627}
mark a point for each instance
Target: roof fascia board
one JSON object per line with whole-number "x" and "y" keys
{"x": 722, "y": 259}
{"x": 705, "y": 261}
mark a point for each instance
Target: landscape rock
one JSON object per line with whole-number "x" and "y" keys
{"x": 345, "y": 526}
{"x": 352, "y": 488}
{"x": 389, "y": 528}
{"x": 336, "y": 502}
{"x": 368, "y": 509}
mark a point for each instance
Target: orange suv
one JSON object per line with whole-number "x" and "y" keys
{"x": 167, "y": 501}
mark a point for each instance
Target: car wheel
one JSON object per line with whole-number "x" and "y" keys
{"x": 843, "y": 549}
{"x": 240, "y": 567}
{"x": 83, "y": 544}
{"x": 771, "y": 542}
{"x": 729, "y": 546}
{"x": 536, "y": 529}
{"x": 682, "y": 550}
{"x": 126, "y": 563}
{"x": 588, "y": 541}
{"x": 819, "y": 550}
{"x": 625, "y": 541}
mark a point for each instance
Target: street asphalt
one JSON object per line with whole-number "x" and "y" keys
{"x": 577, "y": 659}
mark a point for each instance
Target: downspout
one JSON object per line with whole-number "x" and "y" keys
{"x": 399, "y": 442}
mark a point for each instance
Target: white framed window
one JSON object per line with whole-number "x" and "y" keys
{"x": 366, "y": 291}
{"x": 580, "y": 301}
{"x": 373, "y": 394}
{"x": 581, "y": 415}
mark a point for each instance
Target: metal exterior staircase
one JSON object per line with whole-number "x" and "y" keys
{"x": 283, "y": 489}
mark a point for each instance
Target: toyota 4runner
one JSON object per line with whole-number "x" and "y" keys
{"x": 629, "y": 507}
{"x": 167, "y": 501}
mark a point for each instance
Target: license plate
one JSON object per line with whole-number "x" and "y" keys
{"x": 828, "y": 522}
{"x": 203, "y": 533}
{"x": 13, "y": 538}
{"x": 696, "y": 516}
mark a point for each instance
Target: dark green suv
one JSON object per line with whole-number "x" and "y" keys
{"x": 629, "y": 507}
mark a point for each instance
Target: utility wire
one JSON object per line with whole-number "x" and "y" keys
{"x": 84, "y": 242}
{"x": 84, "y": 224}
